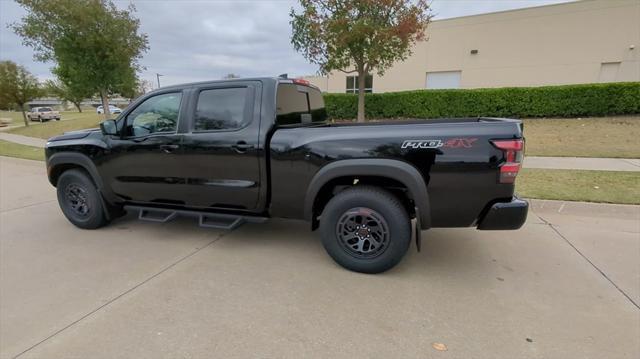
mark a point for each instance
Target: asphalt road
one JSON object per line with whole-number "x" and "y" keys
{"x": 565, "y": 286}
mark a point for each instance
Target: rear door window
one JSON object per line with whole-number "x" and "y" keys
{"x": 222, "y": 109}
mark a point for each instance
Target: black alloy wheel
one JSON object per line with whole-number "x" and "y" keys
{"x": 363, "y": 232}
{"x": 365, "y": 229}
{"x": 79, "y": 200}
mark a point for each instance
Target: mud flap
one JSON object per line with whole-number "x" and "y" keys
{"x": 417, "y": 230}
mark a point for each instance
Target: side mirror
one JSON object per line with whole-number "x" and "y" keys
{"x": 109, "y": 127}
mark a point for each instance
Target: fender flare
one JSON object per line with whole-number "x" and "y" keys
{"x": 66, "y": 158}
{"x": 400, "y": 171}
{"x": 83, "y": 161}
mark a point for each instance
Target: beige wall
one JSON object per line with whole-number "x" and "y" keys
{"x": 322, "y": 82}
{"x": 547, "y": 45}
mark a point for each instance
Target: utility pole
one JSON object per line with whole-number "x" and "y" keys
{"x": 158, "y": 77}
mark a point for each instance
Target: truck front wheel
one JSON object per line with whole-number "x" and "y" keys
{"x": 365, "y": 229}
{"x": 79, "y": 200}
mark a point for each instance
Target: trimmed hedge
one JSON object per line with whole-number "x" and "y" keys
{"x": 518, "y": 102}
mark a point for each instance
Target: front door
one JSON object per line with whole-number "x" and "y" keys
{"x": 144, "y": 164}
{"x": 221, "y": 147}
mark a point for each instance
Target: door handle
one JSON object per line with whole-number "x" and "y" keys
{"x": 241, "y": 146}
{"x": 169, "y": 148}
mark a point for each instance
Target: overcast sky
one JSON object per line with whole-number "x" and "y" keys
{"x": 207, "y": 39}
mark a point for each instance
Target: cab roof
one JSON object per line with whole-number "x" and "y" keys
{"x": 272, "y": 80}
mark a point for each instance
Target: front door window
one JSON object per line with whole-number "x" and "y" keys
{"x": 157, "y": 114}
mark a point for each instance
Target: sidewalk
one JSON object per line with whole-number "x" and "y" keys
{"x": 579, "y": 163}
{"x": 564, "y": 163}
{"x": 23, "y": 140}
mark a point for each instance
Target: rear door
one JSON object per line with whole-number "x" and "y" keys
{"x": 220, "y": 148}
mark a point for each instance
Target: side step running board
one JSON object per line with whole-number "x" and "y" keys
{"x": 205, "y": 219}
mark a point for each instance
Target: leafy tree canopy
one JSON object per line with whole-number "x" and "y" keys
{"x": 17, "y": 86}
{"x": 72, "y": 92}
{"x": 95, "y": 45}
{"x": 362, "y": 36}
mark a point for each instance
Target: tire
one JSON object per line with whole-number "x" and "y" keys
{"x": 58, "y": 119}
{"x": 79, "y": 200}
{"x": 386, "y": 222}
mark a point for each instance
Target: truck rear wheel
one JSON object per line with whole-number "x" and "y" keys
{"x": 365, "y": 229}
{"x": 79, "y": 200}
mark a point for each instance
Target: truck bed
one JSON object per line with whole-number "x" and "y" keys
{"x": 460, "y": 168}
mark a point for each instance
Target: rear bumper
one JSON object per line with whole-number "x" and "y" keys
{"x": 505, "y": 215}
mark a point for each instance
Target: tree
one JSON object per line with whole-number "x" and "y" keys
{"x": 358, "y": 36}
{"x": 17, "y": 86}
{"x": 5, "y": 104}
{"x": 94, "y": 44}
{"x": 72, "y": 92}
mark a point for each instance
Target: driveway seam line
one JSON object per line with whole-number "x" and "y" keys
{"x": 27, "y": 206}
{"x": 170, "y": 266}
{"x": 629, "y": 162}
{"x": 590, "y": 262}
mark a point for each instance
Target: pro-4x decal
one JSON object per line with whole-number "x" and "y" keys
{"x": 416, "y": 144}
{"x": 464, "y": 142}
{"x": 460, "y": 142}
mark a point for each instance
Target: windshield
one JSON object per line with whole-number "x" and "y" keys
{"x": 44, "y": 109}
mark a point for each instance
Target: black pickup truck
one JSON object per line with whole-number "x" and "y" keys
{"x": 245, "y": 150}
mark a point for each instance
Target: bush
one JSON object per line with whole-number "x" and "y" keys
{"x": 548, "y": 101}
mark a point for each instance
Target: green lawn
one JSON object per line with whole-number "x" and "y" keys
{"x": 589, "y": 137}
{"x": 70, "y": 121}
{"x": 16, "y": 117}
{"x": 11, "y": 149}
{"x": 575, "y": 185}
{"x": 614, "y": 136}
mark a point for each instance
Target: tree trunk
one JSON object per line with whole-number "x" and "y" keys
{"x": 24, "y": 116}
{"x": 105, "y": 104}
{"x": 361, "y": 81}
{"x": 77, "y": 104}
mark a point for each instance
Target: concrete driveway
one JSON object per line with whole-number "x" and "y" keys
{"x": 565, "y": 286}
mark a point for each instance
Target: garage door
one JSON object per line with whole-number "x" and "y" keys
{"x": 609, "y": 71}
{"x": 443, "y": 80}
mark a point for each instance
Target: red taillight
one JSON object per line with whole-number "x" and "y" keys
{"x": 508, "y": 172}
{"x": 513, "y": 155}
{"x": 512, "y": 149}
{"x": 301, "y": 82}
